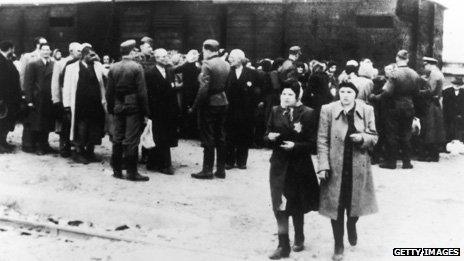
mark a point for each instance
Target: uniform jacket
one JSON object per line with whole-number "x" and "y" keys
{"x": 402, "y": 87}
{"x": 330, "y": 147}
{"x": 213, "y": 79}
{"x": 37, "y": 83}
{"x": 70, "y": 82}
{"x": 127, "y": 91}
{"x": 163, "y": 106}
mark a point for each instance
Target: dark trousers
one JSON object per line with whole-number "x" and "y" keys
{"x": 236, "y": 154}
{"x": 65, "y": 143}
{"x": 159, "y": 157}
{"x": 211, "y": 123}
{"x": 3, "y": 133}
{"x": 34, "y": 139}
{"x": 126, "y": 139}
{"x": 398, "y": 134}
{"x": 87, "y": 134}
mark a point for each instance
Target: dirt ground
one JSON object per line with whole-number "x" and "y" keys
{"x": 231, "y": 219}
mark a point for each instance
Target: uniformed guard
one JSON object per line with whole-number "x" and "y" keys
{"x": 128, "y": 102}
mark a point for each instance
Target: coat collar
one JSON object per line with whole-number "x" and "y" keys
{"x": 357, "y": 108}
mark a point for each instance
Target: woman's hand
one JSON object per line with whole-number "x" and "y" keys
{"x": 272, "y": 136}
{"x": 323, "y": 175}
{"x": 356, "y": 138}
{"x": 288, "y": 145}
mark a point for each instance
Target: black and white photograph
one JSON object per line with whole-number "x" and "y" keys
{"x": 206, "y": 130}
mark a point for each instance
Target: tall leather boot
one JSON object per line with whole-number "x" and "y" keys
{"x": 116, "y": 161}
{"x": 283, "y": 249}
{"x": 208, "y": 163}
{"x": 337, "y": 229}
{"x": 132, "y": 173}
{"x": 221, "y": 162}
{"x": 351, "y": 228}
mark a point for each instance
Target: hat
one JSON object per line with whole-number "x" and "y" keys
{"x": 348, "y": 84}
{"x": 403, "y": 54}
{"x": 429, "y": 60}
{"x": 295, "y": 50}
{"x": 457, "y": 80}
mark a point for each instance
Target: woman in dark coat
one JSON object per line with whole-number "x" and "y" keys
{"x": 294, "y": 187}
{"x": 346, "y": 135}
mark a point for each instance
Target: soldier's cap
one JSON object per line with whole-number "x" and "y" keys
{"x": 458, "y": 80}
{"x": 211, "y": 45}
{"x": 429, "y": 60}
{"x": 295, "y": 50}
{"x": 402, "y": 54}
{"x": 146, "y": 39}
{"x": 128, "y": 44}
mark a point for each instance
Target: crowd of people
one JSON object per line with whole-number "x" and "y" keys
{"x": 351, "y": 118}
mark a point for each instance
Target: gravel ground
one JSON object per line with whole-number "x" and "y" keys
{"x": 231, "y": 219}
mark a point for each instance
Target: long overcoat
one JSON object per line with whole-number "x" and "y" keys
{"x": 37, "y": 83}
{"x": 10, "y": 92}
{"x": 70, "y": 82}
{"x": 330, "y": 148}
{"x": 243, "y": 97}
{"x": 292, "y": 174}
{"x": 164, "y": 111}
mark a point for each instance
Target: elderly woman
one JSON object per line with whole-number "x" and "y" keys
{"x": 346, "y": 136}
{"x": 294, "y": 187}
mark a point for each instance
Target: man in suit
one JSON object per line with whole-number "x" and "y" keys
{"x": 40, "y": 121}
{"x": 211, "y": 103}
{"x": 10, "y": 94}
{"x": 453, "y": 110}
{"x": 190, "y": 71}
{"x": 242, "y": 92}
{"x": 147, "y": 60}
{"x": 63, "y": 116}
{"x": 128, "y": 101}
{"x": 30, "y": 57}
{"x": 164, "y": 112}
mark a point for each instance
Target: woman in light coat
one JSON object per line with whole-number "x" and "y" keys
{"x": 346, "y": 136}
